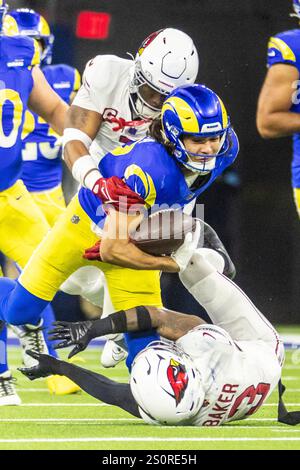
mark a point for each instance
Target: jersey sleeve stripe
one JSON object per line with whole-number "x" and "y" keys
{"x": 283, "y": 48}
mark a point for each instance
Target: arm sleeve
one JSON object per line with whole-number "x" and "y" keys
{"x": 100, "y": 387}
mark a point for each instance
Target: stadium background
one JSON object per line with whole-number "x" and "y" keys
{"x": 252, "y": 206}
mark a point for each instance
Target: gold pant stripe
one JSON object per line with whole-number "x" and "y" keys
{"x": 60, "y": 254}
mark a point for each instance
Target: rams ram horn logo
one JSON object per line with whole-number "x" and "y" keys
{"x": 178, "y": 379}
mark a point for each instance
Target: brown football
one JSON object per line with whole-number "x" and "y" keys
{"x": 163, "y": 233}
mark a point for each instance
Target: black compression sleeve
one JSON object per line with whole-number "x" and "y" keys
{"x": 114, "y": 323}
{"x": 100, "y": 387}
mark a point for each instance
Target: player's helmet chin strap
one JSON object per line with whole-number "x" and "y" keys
{"x": 286, "y": 417}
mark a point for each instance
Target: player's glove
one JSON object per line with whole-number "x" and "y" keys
{"x": 115, "y": 191}
{"x": 93, "y": 253}
{"x": 184, "y": 253}
{"x": 47, "y": 365}
{"x": 72, "y": 334}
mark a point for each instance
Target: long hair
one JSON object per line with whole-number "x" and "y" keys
{"x": 157, "y": 133}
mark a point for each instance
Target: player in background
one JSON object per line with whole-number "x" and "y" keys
{"x": 22, "y": 223}
{"x": 41, "y": 150}
{"x": 42, "y": 147}
{"x": 210, "y": 375}
{"x": 278, "y": 112}
{"x": 196, "y": 144}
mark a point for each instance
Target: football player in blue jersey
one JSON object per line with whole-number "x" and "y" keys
{"x": 194, "y": 144}
{"x": 41, "y": 149}
{"x": 41, "y": 152}
{"x": 22, "y": 224}
{"x": 278, "y": 112}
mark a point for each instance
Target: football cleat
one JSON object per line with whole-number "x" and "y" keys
{"x": 61, "y": 385}
{"x": 112, "y": 354}
{"x": 8, "y": 394}
{"x": 31, "y": 338}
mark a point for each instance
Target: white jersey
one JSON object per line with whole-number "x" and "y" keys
{"x": 238, "y": 376}
{"x": 105, "y": 90}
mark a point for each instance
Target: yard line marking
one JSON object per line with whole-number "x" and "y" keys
{"x": 290, "y": 378}
{"x": 151, "y": 439}
{"x": 64, "y": 404}
{"x": 100, "y": 420}
{"x": 58, "y": 420}
{"x": 286, "y": 404}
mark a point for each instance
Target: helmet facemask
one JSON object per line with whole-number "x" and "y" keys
{"x": 206, "y": 162}
{"x": 296, "y": 7}
{"x": 140, "y": 105}
{"x": 3, "y": 11}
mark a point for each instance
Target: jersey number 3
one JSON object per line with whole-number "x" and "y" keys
{"x": 250, "y": 394}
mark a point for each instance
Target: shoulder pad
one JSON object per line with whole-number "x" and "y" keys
{"x": 19, "y": 51}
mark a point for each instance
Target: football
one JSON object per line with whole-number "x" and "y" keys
{"x": 163, "y": 232}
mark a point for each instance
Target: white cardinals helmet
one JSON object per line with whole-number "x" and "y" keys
{"x": 166, "y": 385}
{"x": 166, "y": 60}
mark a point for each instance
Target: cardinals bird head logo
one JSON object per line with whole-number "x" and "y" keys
{"x": 178, "y": 379}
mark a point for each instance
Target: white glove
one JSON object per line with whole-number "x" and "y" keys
{"x": 184, "y": 253}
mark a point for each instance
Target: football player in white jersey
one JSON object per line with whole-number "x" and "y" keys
{"x": 116, "y": 104}
{"x": 204, "y": 375}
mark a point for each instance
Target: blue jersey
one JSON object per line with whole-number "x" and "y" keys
{"x": 17, "y": 57}
{"x": 149, "y": 170}
{"x": 41, "y": 150}
{"x": 284, "y": 48}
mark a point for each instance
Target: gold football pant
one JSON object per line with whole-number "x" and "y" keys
{"x": 22, "y": 224}
{"x": 51, "y": 202}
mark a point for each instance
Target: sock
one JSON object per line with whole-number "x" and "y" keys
{"x": 135, "y": 342}
{"x": 3, "y": 349}
{"x": 48, "y": 319}
{"x": 17, "y": 305}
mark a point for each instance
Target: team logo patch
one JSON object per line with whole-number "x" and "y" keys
{"x": 178, "y": 379}
{"x": 148, "y": 41}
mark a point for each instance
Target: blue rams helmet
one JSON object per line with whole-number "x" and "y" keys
{"x": 26, "y": 22}
{"x": 3, "y": 10}
{"x": 296, "y": 6}
{"x": 195, "y": 110}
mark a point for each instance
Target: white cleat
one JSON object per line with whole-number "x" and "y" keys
{"x": 32, "y": 339}
{"x": 112, "y": 354}
{"x": 8, "y": 394}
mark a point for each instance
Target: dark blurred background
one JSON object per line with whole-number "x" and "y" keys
{"x": 252, "y": 206}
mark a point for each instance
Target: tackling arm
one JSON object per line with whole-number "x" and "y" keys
{"x": 274, "y": 118}
{"x": 169, "y": 324}
{"x": 86, "y": 121}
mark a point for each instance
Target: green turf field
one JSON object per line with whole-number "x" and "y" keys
{"x": 80, "y": 422}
